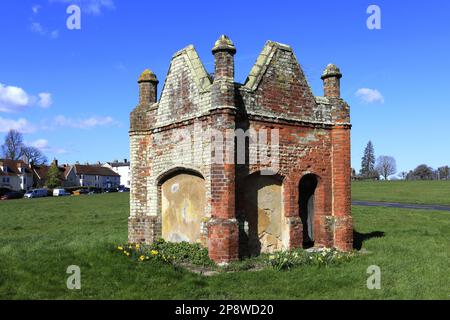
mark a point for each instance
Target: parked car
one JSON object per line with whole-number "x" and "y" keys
{"x": 80, "y": 192}
{"x": 36, "y": 193}
{"x": 109, "y": 190}
{"x": 124, "y": 189}
{"x": 12, "y": 195}
{"x": 4, "y": 191}
{"x": 60, "y": 193}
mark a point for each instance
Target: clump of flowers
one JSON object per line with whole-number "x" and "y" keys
{"x": 167, "y": 252}
{"x": 285, "y": 260}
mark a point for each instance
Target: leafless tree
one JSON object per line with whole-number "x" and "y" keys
{"x": 386, "y": 166}
{"x": 34, "y": 155}
{"x": 403, "y": 175}
{"x": 13, "y": 146}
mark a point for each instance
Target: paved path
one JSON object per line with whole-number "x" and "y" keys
{"x": 401, "y": 205}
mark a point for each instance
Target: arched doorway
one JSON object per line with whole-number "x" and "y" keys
{"x": 307, "y": 188}
{"x": 263, "y": 214}
{"x": 183, "y": 200}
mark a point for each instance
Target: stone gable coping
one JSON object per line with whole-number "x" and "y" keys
{"x": 262, "y": 63}
{"x": 201, "y": 77}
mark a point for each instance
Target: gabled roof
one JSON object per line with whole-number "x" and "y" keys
{"x": 262, "y": 63}
{"x": 94, "y": 170}
{"x": 42, "y": 170}
{"x": 13, "y": 166}
{"x": 192, "y": 60}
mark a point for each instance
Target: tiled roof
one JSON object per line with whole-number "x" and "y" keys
{"x": 13, "y": 166}
{"x": 42, "y": 170}
{"x": 94, "y": 170}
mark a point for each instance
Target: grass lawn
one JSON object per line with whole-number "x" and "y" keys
{"x": 418, "y": 192}
{"x": 40, "y": 238}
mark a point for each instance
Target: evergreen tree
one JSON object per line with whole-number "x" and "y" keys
{"x": 52, "y": 178}
{"x": 368, "y": 161}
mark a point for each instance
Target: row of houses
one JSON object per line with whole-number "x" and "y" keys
{"x": 19, "y": 175}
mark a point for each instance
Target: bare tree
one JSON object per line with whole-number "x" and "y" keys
{"x": 34, "y": 155}
{"x": 386, "y": 166}
{"x": 403, "y": 175}
{"x": 13, "y": 146}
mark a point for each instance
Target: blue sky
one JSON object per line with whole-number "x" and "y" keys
{"x": 71, "y": 91}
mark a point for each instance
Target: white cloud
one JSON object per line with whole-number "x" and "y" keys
{"x": 44, "y": 146}
{"x": 86, "y": 123}
{"x": 94, "y": 7}
{"x": 60, "y": 151}
{"x": 40, "y": 144}
{"x": 45, "y": 100}
{"x": 15, "y": 99}
{"x": 36, "y": 8}
{"x": 37, "y": 28}
{"x": 367, "y": 95}
{"x": 21, "y": 125}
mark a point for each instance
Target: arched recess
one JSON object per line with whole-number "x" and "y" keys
{"x": 264, "y": 227}
{"x": 308, "y": 208}
{"x": 182, "y": 202}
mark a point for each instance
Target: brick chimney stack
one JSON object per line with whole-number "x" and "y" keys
{"x": 148, "y": 87}
{"x": 223, "y": 227}
{"x": 331, "y": 81}
{"x": 224, "y": 52}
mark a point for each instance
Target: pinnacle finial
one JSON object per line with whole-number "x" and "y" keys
{"x": 147, "y": 76}
{"x": 224, "y": 44}
{"x": 331, "y": 71}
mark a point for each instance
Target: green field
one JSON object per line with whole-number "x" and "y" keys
{"x": 417, "y": 192}
{"x": 40, "y": 238}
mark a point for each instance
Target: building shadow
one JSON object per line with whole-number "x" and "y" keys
{"x": 359, "y": 238}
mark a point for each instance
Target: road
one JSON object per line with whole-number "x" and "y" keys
{"x": 435, "y": 207}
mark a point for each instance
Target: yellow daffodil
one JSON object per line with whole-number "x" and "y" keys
{"x": 142, "y": 258}
{"x": 154, "y": 252}
{"x": 120, "y": 248}
{"x": 138, "y": 246}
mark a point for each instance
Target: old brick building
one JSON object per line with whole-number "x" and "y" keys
{"x": 190, "y": 180}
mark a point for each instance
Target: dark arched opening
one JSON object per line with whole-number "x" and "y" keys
{"x": 307, "y": 188}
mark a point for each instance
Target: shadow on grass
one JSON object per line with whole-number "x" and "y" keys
{"x": 359, "y": 238}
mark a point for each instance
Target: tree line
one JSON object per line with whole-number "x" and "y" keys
{"x": 385, "y": 166}
{"x": 14, "y": 148}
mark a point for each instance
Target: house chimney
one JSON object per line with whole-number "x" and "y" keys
{"x": 222, "y": 91}
{"x": 148, "y": 87}
{"x": 331, "y": 81}
{"x": 224, "y": 51}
